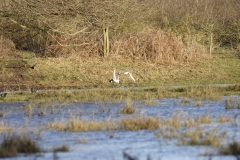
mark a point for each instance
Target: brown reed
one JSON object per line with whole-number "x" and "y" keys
{"x": 128, "y": 108}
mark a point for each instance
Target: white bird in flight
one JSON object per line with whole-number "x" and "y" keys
{"x": 116, "y": 77}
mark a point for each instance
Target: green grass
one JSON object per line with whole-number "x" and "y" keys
{"x": 64, "y": 74}
{"x": 145, "y": 94}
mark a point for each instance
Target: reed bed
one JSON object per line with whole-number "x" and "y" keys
{"x": 140, "y": 122}
{"x": 157, "y": 47}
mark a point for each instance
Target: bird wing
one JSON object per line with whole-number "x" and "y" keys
{"x": 115, "y": 77}
{"x": 128, "y": 74}
{"x": 114, "y": 74}
{"x": 131, "y": 76}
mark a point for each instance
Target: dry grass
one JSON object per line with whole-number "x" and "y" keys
{"x": 139, "y": 123}
{"x": 4, "y": 128}
{"x": 128, "y": 108}
{"x": 12, "y": 145}
{"x": 176, "y": 121}
{"x": 63, "y": 148}
{"x": 198, "y": 19}
{"x": 193, "y": 20}
{"x": 7, "y": 48}
{"x": 130, "y": 123}
{"x": 231, "y": 103}
{"x": 224, "y": 119}
{"x": 200, "y": 137}
{"x": 157, "y": 47}
{"x": 232, "y": 149}
{"x": 204, "y": 92}
{"x": 76, "y": 125}
{"x": 149, "y": 46}
{"x": 28, "y": 110}
{"x": 204, "y": 119}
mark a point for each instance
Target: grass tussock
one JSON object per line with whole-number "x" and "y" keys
{"x": 192, "y": 136}
{"x": 128, "y": 108}
{"x": 224, "y": 119}
{"x": 63, "y": 148}
{"x": 185, "y": 100}
{"x": 3, "y": 127}
{"x": 77, "y": 125}
{"x": 28, "y": 110}
{"x": 204, "y": 119}
{"x": 139, "y": 123}
{"x": 12, "y": 145}
{"x": 232, "y": 149}
{"x": 232, "y": 103}
{"x": 201, "y": 137}
{"x": 174, "y": 121}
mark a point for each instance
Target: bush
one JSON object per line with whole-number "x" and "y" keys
{"x": 72, "y": 27}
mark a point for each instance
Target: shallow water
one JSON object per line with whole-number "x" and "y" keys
{"x": 142, "y": 144}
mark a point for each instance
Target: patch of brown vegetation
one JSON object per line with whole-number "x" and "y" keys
{"x": 15, "y": 74}
{"x": 7, "y": 47}
{"x": 13, "y": 144}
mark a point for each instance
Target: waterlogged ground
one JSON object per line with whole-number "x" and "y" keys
{"x": 111, "y": 145}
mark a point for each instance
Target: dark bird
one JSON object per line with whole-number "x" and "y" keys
{"x": 33, "y": 90}
{"x": 32, "y": 67}
{"x": 41, "y": 113}
{"x": 3, "y": 95}
{"x": 128, "y": 157}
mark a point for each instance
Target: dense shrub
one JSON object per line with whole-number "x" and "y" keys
{"x": 54, "y": 28}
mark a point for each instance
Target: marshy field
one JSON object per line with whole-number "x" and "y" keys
{"x": 57, "y": 57}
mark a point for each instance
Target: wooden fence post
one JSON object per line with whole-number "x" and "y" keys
{"x": 106, "y": 42}
{"x": 211, "y": 44}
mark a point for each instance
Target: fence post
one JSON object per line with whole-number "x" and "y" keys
{"x": 106, "y": 42}
{"x": 211, "y": 45}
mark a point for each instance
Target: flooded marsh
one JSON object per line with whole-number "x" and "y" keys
{"x": 175, "y": 128}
